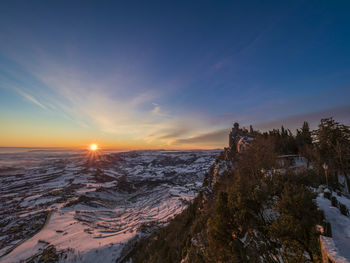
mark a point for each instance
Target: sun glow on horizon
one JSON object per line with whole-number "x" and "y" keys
{"x": 93, "y": 147}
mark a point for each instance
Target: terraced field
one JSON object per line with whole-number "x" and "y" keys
{"x": 85, "y": 209}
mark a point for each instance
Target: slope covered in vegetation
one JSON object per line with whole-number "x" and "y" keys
{"x": 260, "y": 208}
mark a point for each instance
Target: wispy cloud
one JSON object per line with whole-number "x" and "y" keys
{"x": 31, "y": 99}
{"x": 211, "y": 139}
{"x": 172, "y": 132}
{"x": 108, "y": 106}
{"x": 156, "y": 110}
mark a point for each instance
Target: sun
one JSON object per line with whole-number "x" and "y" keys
{"x": 93, "y": 153}
{"x": 93, "y": 147}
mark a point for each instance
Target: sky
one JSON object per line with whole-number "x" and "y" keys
{"x": 168, "y": 74}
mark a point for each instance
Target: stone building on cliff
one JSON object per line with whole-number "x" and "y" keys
{"x": 240, "y": 138}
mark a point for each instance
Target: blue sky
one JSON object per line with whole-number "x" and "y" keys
{"x": 168, "y": 74}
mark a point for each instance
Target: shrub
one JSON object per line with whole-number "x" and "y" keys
{"x": 334, "y": 201}
{"x": 343, "y": 209}
{"x": 327, "y": 195}
{"x": 296, "y": 225}
{"x": 49, "y": 255}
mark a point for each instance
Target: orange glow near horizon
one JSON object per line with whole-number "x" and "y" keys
{"x": 25, "y": 132}
{"x": 35, "y": 135}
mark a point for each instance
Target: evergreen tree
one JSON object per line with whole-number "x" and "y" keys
{"x": 304, "y": 135}
{"x": 332, "y": 143}
{"x": 304, "y": 141}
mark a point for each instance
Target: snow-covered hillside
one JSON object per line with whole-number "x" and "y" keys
{"x": 87, "y": 211}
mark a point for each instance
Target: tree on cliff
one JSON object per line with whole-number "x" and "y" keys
{"x": 295, "y": 227}
{"x": 332, "y": 146}
{"x": 224, "y": 244}
{"x": 304, "y": 141}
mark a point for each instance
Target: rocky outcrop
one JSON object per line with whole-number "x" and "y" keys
{"x": 221, "y": 165}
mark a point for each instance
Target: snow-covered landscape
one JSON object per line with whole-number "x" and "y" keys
{"x": 91, "y": 210}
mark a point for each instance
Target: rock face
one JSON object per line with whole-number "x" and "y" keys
{"x": 221, "y": 165}
{"x": 95, "y": 207}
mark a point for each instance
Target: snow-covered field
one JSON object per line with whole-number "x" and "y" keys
{"x": 89, "y": 210}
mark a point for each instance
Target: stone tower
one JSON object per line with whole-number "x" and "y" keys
{"x": 233, "y": 134}
{"x": 240, "y": 136}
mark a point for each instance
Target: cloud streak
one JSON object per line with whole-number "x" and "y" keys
{"x": 211, "y": 139}
{"x": 31, "y": 99}
{"x": 105, "y": 105}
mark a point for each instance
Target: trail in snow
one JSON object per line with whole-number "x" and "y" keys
{"x": 340, "y": 226}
